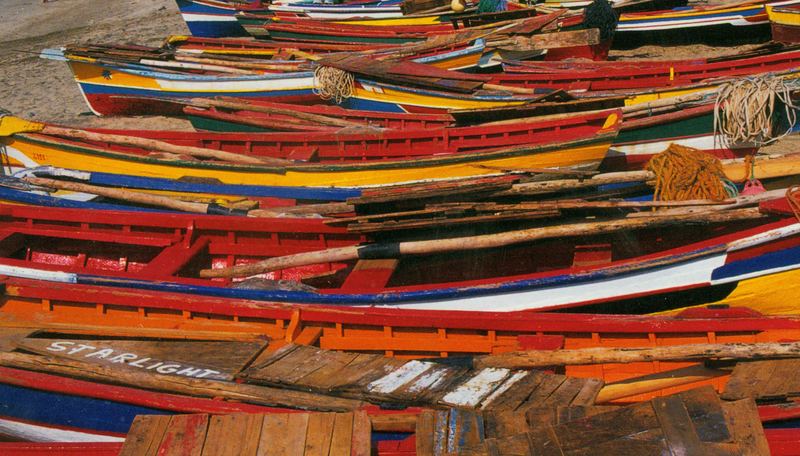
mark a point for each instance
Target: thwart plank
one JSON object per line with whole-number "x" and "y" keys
{"x": 244, "y": 434}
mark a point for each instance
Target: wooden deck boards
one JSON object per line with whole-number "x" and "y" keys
{"x": 764, "y": 380}
{"x": 694, "y": 422}
{"x": 418, "y": 382}
{"x": 286, "y": 434}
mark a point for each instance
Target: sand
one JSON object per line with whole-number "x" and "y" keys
{"x": 42, "y": 89}
{"x": 45, "y": 90}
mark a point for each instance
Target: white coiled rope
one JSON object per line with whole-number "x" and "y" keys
{"x": 333, "y": 84}
{"x": 744, "y": 111}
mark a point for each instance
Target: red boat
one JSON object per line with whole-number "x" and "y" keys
{"x": 602, "y": 76}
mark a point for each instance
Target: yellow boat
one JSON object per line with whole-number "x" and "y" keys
{"x": 342, "y": 160}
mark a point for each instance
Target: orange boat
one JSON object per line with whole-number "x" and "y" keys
{"x": 400, "y": 333}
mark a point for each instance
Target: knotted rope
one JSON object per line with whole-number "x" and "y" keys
{"x": 683, "y": 173}
{"x": 745, "y": 111}
{"x": 333, "y": 84}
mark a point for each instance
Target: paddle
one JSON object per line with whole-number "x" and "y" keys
{"x": 399, "y": 249}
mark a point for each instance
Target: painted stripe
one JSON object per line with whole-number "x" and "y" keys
{"x": 517, "y": 376}
{"x": 34, "y": 433}
{"x": 399, "y": 377}
{"x": 38, "y": 274}
{"x": 472, "y": 392}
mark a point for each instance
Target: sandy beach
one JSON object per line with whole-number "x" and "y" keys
{"x": 42, "y": 89}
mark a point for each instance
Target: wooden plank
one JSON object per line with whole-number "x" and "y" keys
{"x": 233, "y": 435}
{"x": 429, "y": 386}
{"x": 328, "y": 374}
{"x": 144, "y": 435}
{"x": 266, "y": 358}
{"x": 254, "y": 394}
{"x": 297, "y": 432}
{"x": 587, "y": 395}
{"x": 705, "y": 410}
{"x": 784, "y": 381}
{"x": 503, "y": 423}
{"x": 11, "y": 337}
{"x": 342, "y": 436}
{"x": 468, "y": 430}
{"x": 677, "y": 426}
{"x": 617, "y": 424}
{"x": 474, "y": 389}
{"x": 566, "y": 392}
{"x": 516, "y": 394}
{"x": 275, "y": 433}
{"x": 185, "y": 435}
{"x": 424, "y": 433}
{"x": 538, "y": 397}
{"x": 362, "y": 434}
{"x": 218, "y": 360}
{"x": 318, "y": 434}
{"x": 747, "y": 378}
{"x": 277, "y": 369}
{"x": 745, "y": 425}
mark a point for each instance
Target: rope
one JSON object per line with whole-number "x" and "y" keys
{"x": 744, "y": 111}
{"x": 683, "y": 173}
{"x": 333, "y": 84}
{"x": 793, "y": 197}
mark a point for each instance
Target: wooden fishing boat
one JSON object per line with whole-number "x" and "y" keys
{"x": 111, "y": 402}
{"x": 231, "y": 115}
{"x": 124, "y": 89}
{"x": 687, "y": 23}
{"x": 303, "y": 159}
{"x": 708, "y": 265}
{"x": 632, "y": 75}
{"x": 215, "y": 18}
{"x": 784, "y": 22}
{"x": 255, "y": 23}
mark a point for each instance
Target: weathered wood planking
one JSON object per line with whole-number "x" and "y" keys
{"x": 764, "y": 380}
{"x": 694, "y": 422}
{"x": 380, "y": 379}
{"x": 244, "y": 434}
{"x": 217, "y": 360}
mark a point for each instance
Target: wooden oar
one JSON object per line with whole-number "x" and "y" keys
{"x": 162, "y": 146}
{"x": 129, "y": 196}
{"x": 399, "y": 249}
{"x": 603, "y": 355}
{"x": 243, "y": 106}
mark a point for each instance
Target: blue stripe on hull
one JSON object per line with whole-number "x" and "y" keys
{"x": 98, "y": 89}
{"x": 73, "y": 411}
{"x": 216, "y": 29}
{"x": 774, "y": 260}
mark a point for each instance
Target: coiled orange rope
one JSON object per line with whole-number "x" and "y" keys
{"x": 683, "y": 173}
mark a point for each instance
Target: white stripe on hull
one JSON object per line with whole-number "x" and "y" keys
{"x": 35, "y": 433}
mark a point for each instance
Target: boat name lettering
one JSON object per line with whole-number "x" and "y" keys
{"x": 130, "y": 359}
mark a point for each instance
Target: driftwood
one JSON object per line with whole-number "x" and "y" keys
{"x": 737, "y": 351}
{"x": 162, "y": 146}
{"x": 396, "y": 250}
